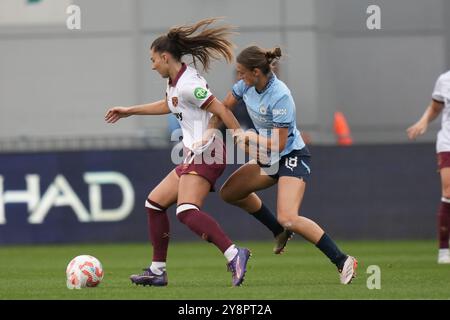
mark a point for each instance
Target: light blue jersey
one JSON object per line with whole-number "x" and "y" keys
{"x": 274, "y": 107}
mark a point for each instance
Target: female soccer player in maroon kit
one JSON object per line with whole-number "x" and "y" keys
{"x": 440, "y": 102}
{"x": 190, "y": 99}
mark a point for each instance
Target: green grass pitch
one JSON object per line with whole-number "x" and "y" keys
{"x": 197, "y": 271}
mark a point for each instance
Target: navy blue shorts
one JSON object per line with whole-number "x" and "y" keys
{"x": 294, "y": 164}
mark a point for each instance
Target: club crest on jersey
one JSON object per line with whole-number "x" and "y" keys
{"x": 200, "y": 93}
{"x": 262, "y": 109}
{"x": 174, "y": 101}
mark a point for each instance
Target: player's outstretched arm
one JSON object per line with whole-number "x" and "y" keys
{"x": 154, "y": 108}
{"x": 420, "y": 127}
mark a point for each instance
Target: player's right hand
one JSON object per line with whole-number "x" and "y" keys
{"x": 115, "y": 113}
{"x": 417, "y": 129}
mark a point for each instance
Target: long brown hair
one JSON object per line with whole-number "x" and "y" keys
{"x": 209, "y": 43}
{"x": 256, "y": 57}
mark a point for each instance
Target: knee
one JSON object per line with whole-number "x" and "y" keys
{"x": 232, "y": 195}
{"x": 154, "y": 205}
{"x": 226, "y": 194}
{"x": 152, "y": 198}
{"x": 285, "y": 220}
{"x": 446, "y": 193}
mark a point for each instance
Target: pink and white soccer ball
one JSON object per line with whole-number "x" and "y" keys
{"x": 84, "y": 271}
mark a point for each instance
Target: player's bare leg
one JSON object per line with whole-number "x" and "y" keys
{"x": 166, "y": 192}
{"x": 239, "y": 190}
{"x": 161, "y": 197}
{"x": 290, "y": 196}
{"x": 192, "y": 191}
{"x": 444, "y": 218}
{"x": 289, "y": 199}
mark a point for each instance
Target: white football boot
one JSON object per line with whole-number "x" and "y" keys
{"x": 348, "y": 271}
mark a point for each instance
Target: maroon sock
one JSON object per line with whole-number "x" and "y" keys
{"x": 158, "y": 227}
{"x": 443, "y": 224}
{"x": 205, "y": 226}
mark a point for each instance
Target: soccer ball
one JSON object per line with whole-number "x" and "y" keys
{"x": 84, "y": 271}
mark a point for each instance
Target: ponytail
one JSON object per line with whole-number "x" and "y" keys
{"x": 256, "y": 57}
{"x": 207, "y": 44}
{"x": 273, "y": 54}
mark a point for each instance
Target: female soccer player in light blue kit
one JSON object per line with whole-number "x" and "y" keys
{"x": 271, "y": 107}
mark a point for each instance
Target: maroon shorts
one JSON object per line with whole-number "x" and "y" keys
{"x": 443, "y": 159}
{"x": 209, "y": 165}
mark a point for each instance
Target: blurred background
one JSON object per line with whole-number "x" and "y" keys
{"x": 67, "y": 176}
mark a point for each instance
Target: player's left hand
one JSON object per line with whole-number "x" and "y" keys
{"x": 116, "y": 113}
{"x": 416, "y": 130}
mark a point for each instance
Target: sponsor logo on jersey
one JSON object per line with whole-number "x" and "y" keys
{"x": 174, "y": 101}
{"x": 200, "y": 93}
{"x": 279, "y": 112}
